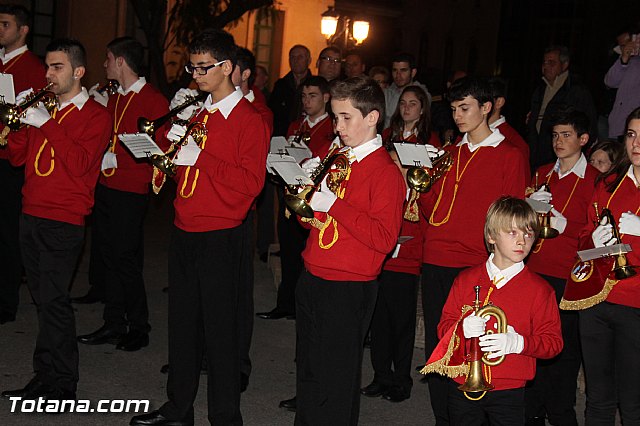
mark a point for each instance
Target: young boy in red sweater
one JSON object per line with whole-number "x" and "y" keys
{"x": 352, "y": 233}
{"x": 531, "y": 311}
{"x": 570, "y": 186}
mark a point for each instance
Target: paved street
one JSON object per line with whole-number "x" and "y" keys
{"x": 106, "y": 373}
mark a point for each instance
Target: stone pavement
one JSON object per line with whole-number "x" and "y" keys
{"x": 106, "y": 373}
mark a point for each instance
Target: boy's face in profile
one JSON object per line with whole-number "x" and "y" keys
{"x": 215, "y": 77}
{"x": 511, "y": 246}
{"x": 566, "y": 142}
{"x": 469, "y": 114}
{"x": 351, "y": 126}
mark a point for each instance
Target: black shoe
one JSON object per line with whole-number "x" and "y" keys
{"x": 289, "y": 404}
{"x": 396, "y": 394}
{"x": 535, "y": 421}
{"x": 275, "y": 314}
{"x": 90, "y": 297}
{"x": 374, "y": 389}
{"x": 6, "y": 316}
{"x": 155, "y": 418}
{"x": 34, "y": 388}
{"x": 101, "y": 336}
{"x": 132, "y": 341}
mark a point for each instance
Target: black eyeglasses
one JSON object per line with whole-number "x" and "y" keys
{"x": 330, "y": 59}
{"x": 201, "y": 70}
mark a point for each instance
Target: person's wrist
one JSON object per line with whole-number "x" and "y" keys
{"x": 623, "y": 62}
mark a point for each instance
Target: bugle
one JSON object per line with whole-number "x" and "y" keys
{"x": 544, "y": 219}
{"x": 10, "y": 114}
{"x": 621, "y": 268}
{"x": 150, "y": 126}
{"x": 110, "y": 88}
{"x": 165, "y": 162}
{"x": 421, "y": 179}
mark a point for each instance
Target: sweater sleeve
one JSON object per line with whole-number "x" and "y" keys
{"x": 614, "y": 76}
{"x": 379, "y": 227}
{"x": 17, "y": 147}
{"x": 79, "y": 154}
{"x": 545, "y": 340}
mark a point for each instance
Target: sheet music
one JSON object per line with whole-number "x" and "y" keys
{"x": 278, "y": 145}
{"x": 413, "y": 155}
{"x": 140, "y": 144}
{"x": 539, "y": 206}
{"x": 604, "y": 251}
{"x": 7, "y": 90}
{"x": 288, "y": 169}
{"x": 299, "y": 153}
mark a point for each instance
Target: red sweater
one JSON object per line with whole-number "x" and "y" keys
{"x": 28, "y": 72}
{"x": 409, "y": 257}
{"x": 217, "y": 192}
{"x": 134, "y": 175}
{"x": 626, "y": 198}
{"x": 321, "y": 135}
{"x": 368, "y": 223}
{"x": 531, "y": 309}
{"x": 556, "y": 256}
{"x": 62, "y": 162}
{"x": 489, "y": 172}
{"x": 512, "y": 137}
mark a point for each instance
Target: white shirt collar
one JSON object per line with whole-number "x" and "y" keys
{"x": 135, "y": 87}
{"x": 578, "y": 169}
{"x": 250, "y": 96}
{"x": 492, "y": 140}
{"x": 225, "y": 105}
{"x": 78, "y": 100}
{"x": 500, "y": 278}
{"x": 9, "y": 56}
{"x": 311, "y": 124}
{"x": 632, "y": 176}
{"x": 361, "y": 151}
{"x": 497, "y": 123}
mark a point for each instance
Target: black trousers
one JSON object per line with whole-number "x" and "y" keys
{"x": 332, "y": 318}
{"x": 50, "y": 251}
{"x": 266, "y": 217}
{"x": 11, "y": 180}
{"x": 245, "y": 294}
{"x": 119, "y": 226}
{"x": 292, "y": 237}
{"x": 436, "y": 283}
{"x": 497, "y": 408}
{"x": 610, "y": 336}
{"x": 553, "y": 390}
{"x": 393, "y": 329}
{"x": 204, "y": 277}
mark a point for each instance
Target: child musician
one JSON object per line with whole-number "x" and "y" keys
{"x": 609, "y": 330}
{"x": 411, "y": 121}
{"x": 570, "y": 183}
{"x": 351, "y": 234}
{"x": 531, "y": 311}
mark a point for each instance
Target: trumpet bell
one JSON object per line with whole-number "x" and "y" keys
{"x": 298, "y": 203}
{"x": 419, "y": 179}
{"x": 164, "y": 164}
{"x": 475, "y": 381}
{"x": 622, "y": 270}
{"x": 146, "y": 126}
{"x": 548, "y": 232}
{"x": 10, "y": 116}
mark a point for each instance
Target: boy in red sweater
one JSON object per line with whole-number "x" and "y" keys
{"x": 122, "y": 195}
{"x": 352, "y": 233}
{"x": 571, "y": 182}
{"x": 531, "y": 310}
{"x": 61, "y": 153}
{"x": 217, "y": 182}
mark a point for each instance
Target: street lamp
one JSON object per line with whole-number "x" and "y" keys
{"x": 341, "y": 31}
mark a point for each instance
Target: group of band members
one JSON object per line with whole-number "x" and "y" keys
{"x": 71, "y": 155}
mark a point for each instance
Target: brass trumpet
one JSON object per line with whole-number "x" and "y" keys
{"x": 10, "y": 114}
{"x": 621, "y": 268}
{"x": 336, "y": 164}
{"x": 544, "y": 220}
{"x": 476, "y": 381}
{"x": 149, "y": 126}
{"x": 421, "y": 179}
{"x": 165, "y": 162}
{"x": 110, "y": 88}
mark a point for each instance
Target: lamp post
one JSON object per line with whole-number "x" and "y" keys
{"x": 341, "y": 30}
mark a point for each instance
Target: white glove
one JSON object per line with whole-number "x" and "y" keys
{"x": 558, "y": 221}
{"x": 36, "y": 116}
{"x": 101, "y": 98}
{"x": 473, "y": 326}
{"x": 323, "y": 198}
{"x": 499, "y": 344}
{"x": 109, "y": 161}
{"x": 181, "y": 97}
{"x": 188, "y": 154}
{"x": 542, "y": 195}
{"x": 433, "y": 152}
{"x": 22, "y": 96}
{"x": 629, "y": 224}
{"x": 309, "y": 165}
{"x": 176, "y": 132}
{"x": 603, "y": 234}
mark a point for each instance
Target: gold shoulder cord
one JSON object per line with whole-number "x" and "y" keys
{"x": 46, "y": 141}
{"x": 116, "y": 126}
{"x": 197, "y": 174}
{"x": 323, "y": 226}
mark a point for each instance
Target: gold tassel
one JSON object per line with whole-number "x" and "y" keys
{"x": 157, "y": 172}
{"x": 578, "y": 305}
{"x": 411, "y": 213}
{"x": 3, "y": 136}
